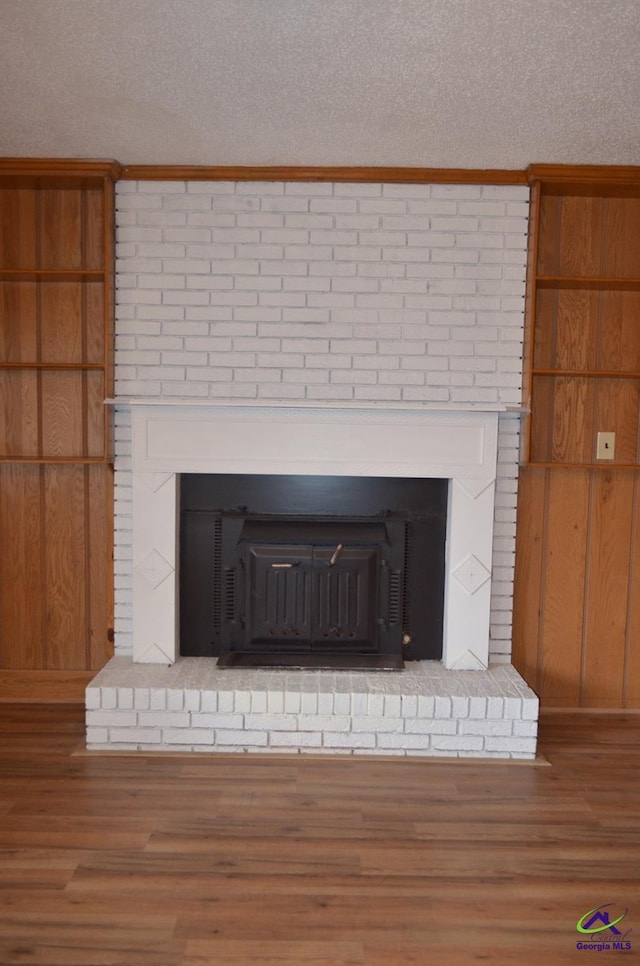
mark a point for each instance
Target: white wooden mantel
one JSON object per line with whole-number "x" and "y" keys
{"x": 169, "y": 439}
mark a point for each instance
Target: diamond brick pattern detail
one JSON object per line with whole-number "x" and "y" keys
{"x": 471, "y": 574}
{"x": 155, "y": 653}
{"x": 154, "y": 568}
{"x": 474, "y": 487}
{"x": 469, "y": 662}
{"x": 153, "y": 481}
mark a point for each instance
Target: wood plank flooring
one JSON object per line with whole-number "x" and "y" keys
{"x": 159, "y": 860}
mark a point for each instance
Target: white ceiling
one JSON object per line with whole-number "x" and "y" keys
{"x": 442, "y": 83}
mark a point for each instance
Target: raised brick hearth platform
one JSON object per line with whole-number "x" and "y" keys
{"x": 423, "y": 710}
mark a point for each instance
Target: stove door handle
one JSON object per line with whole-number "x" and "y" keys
{"x": 335, "y": 555}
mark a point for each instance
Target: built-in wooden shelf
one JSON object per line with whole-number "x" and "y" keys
{"x": 53, "y": 274}
{"x": 56, "y": 471}
{"x": 587, "y": 281}
{"x": 583, "y": 351}
{"x": 78, "y": 366}
{"x": 589, "y": 373}
{"x": 603, "y": 465}
{"x": 68, "y": 460}
{"x": 576, "y": 602}
{"x": 46, "y": 460}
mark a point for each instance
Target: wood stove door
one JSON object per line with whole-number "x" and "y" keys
{"x": 346, "y": 594}
{"x": 279, "y": 597}
{"x": 312, "y": 598}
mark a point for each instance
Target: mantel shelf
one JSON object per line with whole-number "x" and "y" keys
{"x": 315, "y": 405}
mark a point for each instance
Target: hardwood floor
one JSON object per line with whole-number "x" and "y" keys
{"x": 113, "y": 860}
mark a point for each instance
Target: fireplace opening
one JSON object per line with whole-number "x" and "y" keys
{"x": 312, "y": 571}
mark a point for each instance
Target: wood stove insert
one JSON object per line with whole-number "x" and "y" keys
{"x": 302, "y": 571}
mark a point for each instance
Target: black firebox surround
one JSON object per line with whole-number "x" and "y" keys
{"x": 383, "y": 536}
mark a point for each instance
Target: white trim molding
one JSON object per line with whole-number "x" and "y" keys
{"x": 227, "y": 438}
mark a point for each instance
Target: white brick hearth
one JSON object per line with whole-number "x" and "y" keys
{"x": 423, "y": 710}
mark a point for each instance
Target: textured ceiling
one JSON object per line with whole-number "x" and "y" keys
{"x": 445, "y": 83}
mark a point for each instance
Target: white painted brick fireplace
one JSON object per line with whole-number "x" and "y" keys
{"x": 277, "y": 325}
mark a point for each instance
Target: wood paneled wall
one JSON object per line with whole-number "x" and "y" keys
{"x": 577, "y": 611}
{"x": 56, "y": 280}
{"x": 577, "y": 597}
{"x": 55, "y": 533}
{"x": 577, "y": 608}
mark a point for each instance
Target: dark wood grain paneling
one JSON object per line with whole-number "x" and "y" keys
{"x": 631, "y": 686}
{"x": 544, "y": 333}
{"x": 60, "y": 224}
{"x": 55, "y": 531}
{"x": 586, "y": 311}
{"x": 62, "y": 172}
{"x": 93, "y": 253}
{"x": 585, "y": 331}
{"x": 62, "y": 414}
{"x": 566, "y": 335}
{"x": 589, "y": 176}
{"x": 619, "y": 336}
{"x": 93, "y": 393}
{"x": 573, "y": 405}
{"x": 563, "y": 582}
{"x": 94, "y": 323}
{"x": 549, "y": 214}
{"x": 19, "y": 435}
{"x": 55, "y": 584}
{"x": 621, "y": 235}
{"x": 617, "y": 405}
{"x": 18, "y": 236}
{"x": 393, "y": 175}
{"x": 569, "y": 412}
{"x": 61, "y": 321}
{"x": 542, "y": 408}
{"x": 108, "y": 302}
{"x": 18, "y": 321}
{"x": 99, "y": 577}
{"x": 66, "y": 566}
{"x": 607, "y": 589}
{"x": 580, "y": 236}
{"x": 22, "y": 641}
{"x": 529, "y": 567}
{"x": 577, "y": 607}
